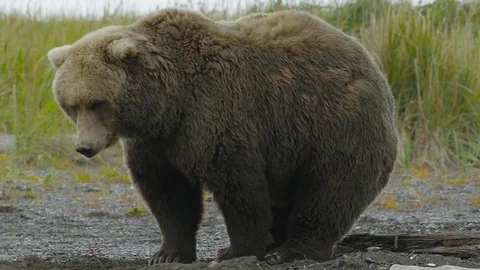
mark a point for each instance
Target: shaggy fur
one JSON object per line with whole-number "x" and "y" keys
{"x": 287, "y": 120}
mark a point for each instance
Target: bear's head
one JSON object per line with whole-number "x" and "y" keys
{"x": 102, "y": 84}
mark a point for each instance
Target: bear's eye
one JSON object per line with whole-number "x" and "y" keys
{"x": 94, "y": 106}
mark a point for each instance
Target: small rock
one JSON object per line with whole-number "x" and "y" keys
{"x": 23, "y": 216}
{"x": 92, "y": 189}
{"x": 21, "y": 187}
{"x": 212, "y": 264}
{"x": 374, "y": 248}
{"x": 369, "y": 260}
{"x": 7, "y": 209}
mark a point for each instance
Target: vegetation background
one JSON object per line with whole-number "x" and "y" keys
{"x": 430, "y": 54}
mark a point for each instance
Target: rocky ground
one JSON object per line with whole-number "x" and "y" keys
{"x": 91, "y": 217}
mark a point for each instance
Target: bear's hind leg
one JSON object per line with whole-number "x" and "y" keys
{"x": 175, "y": 202}
{"x": 279, "y": 227}
{"x": 244, "y": 202}
{"x": 324, "y": 211}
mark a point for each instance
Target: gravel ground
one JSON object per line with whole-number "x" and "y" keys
{"x": 71, "y": 224}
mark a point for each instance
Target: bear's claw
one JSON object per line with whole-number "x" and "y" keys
{"x": 274, "y": 258}
{"x": 166, "y": 257}
{"x": 281, "y": 255}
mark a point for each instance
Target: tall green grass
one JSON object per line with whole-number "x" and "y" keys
{"x": 432, "y": 61}
{"x": 430, "y": 54}
{"x": 27, "y": 108}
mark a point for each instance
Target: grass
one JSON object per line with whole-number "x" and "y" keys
{"x": 406, "y": 182}
{"x": 31, "y": 194}
{"x": 460, "y": 180}
{"x": 387, "y": 202}
{"x": 476, "y": 201}
{"x": 430, "y": 55}
{"x": 139, "y": 209}
{"x": 82, "y": 176}
{"x": 113, "y": 174}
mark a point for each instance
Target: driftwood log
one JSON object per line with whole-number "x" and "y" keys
{"x": 457, "y": 244}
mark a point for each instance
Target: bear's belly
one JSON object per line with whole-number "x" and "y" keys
{"x": 281, "y": 189}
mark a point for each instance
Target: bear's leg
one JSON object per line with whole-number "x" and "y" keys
{"x": 175, "y": 202}
{"x": 279, "y": 227}
{"x": 324, "y": 211}
{"x": 244, "y": 201}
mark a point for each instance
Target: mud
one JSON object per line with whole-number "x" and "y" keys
{"x": 98, "y": 223}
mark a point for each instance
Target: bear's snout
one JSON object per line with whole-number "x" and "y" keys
{"x": 85, "y": 149}
{"x": 92, "y": 135}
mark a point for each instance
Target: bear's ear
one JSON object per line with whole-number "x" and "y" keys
{"x": 58, "y": 55}
{"x": 123, "y": 49}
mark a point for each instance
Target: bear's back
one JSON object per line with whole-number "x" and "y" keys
{"x": 289, "y": 30}
{"x": 285, "y": 29}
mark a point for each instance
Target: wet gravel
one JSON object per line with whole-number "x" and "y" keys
{"x": 100, "y": 224}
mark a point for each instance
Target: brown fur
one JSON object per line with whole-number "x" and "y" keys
{"x": 287, "y": 120}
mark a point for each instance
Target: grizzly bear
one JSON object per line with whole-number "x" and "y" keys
{"x": 285, "y": 119}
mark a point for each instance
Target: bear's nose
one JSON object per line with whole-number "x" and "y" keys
{"x": 85, "y": 149}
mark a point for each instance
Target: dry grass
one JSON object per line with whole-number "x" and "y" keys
{"x": 476, "y": 201}
{"x": 387, "y": 202}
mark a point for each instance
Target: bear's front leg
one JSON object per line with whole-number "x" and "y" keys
{"x": 242, "y": 196}
{"x": 173, "y": 200}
